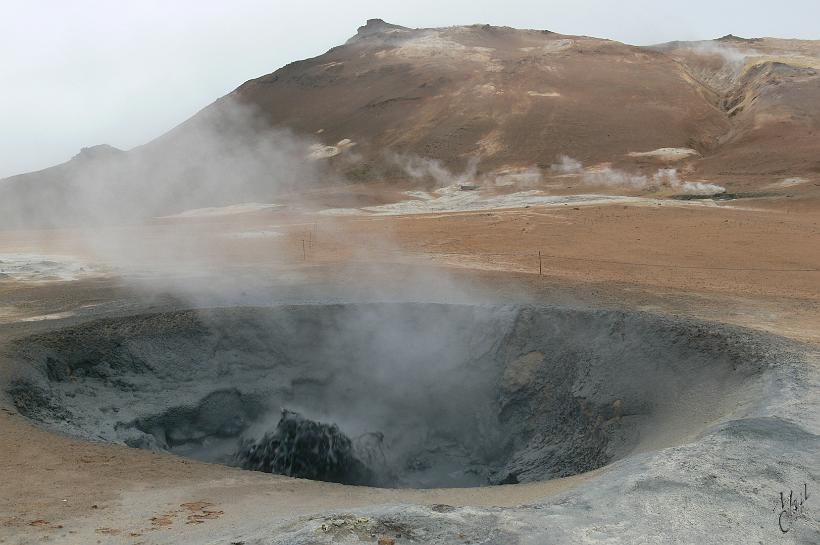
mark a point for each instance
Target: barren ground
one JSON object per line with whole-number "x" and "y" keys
{"x": 753, "y": 263}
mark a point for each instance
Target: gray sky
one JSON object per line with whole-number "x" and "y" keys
{"x": 86, "y": 72}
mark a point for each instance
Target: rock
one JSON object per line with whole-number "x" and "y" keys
{"x": 375, "y": 26}
{"x": 302, "y": 448}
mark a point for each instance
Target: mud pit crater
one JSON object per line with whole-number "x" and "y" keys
{"x": 391, "y": 394}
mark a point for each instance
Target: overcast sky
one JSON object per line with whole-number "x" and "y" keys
{"x": 84, "y": 72}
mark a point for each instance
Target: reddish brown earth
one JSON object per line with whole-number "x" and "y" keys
{"x": 504, "y": 97}
{"x": 516, "y": 98}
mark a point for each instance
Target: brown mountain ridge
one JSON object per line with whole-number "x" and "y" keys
{"x": 733, "y": 108}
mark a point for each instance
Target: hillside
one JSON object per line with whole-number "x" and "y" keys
{"x": 734, "y": 110}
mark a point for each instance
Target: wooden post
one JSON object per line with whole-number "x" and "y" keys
{"x": 539, "y": 263}
{"x": 304, "y": 252}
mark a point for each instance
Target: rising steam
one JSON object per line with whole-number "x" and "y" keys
{"x": 226, "y": 154}
{"x": 425, "y": 169}
{"x": 607, "y": 176}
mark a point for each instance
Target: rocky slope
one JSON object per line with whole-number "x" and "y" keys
{"x": 491, "y": 98}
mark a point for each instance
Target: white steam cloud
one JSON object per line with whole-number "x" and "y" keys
{"x": 611, "y": 177}
{"x": 733, "y": 56}
{"x": 567, "y": 165}
{"x": 224, "y": 155}
{"x": 225, "y": 162}
{"x": 421, "y": 168}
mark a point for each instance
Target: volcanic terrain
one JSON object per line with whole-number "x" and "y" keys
{"x": 471, "y": 284}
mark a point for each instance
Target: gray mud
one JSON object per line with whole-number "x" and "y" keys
{"x": 458, "y": 395}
